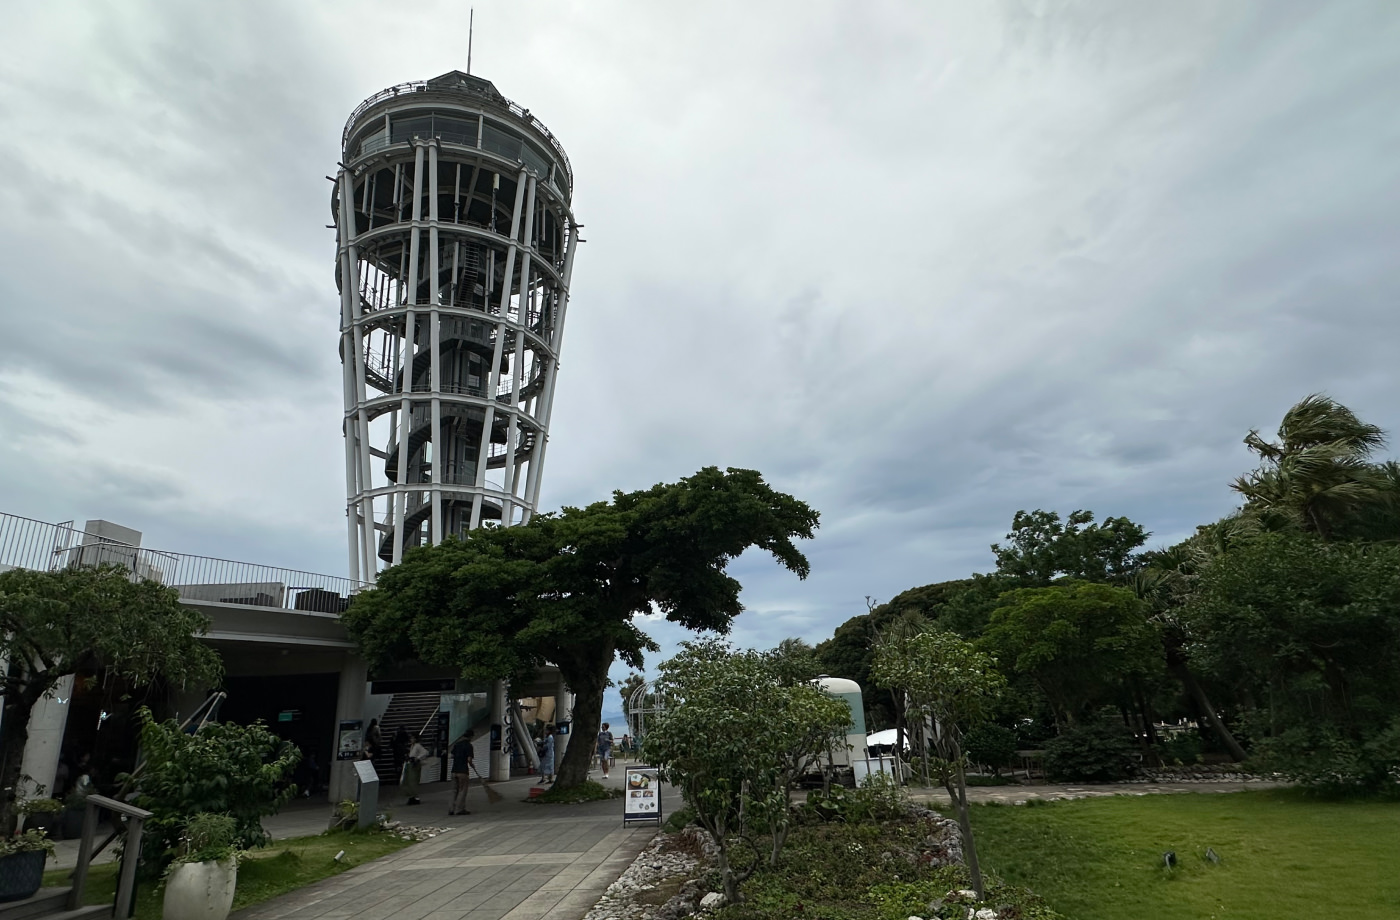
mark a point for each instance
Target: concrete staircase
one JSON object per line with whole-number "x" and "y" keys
{"x": 412, "y": 711}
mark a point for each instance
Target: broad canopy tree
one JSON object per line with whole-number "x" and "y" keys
{"x": 55, "y": 624}
{"x": 564, "y": 588}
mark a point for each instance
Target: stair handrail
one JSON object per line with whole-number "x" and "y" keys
{"x": 131, "y": 853}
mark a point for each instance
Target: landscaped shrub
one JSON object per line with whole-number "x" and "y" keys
{"x": 990, "y": 745}
{"x": 1099, "y": 752}
{"x": 241, "y": 771}
{"x": 1182, "y": 748}
{"x": 1322, "y": 759}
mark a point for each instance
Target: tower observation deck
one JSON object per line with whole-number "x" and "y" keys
{"x": 455, "y": 247}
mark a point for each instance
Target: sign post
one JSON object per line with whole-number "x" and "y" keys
{"x": 642, "y": 796}
{"x": 369, "y": 793}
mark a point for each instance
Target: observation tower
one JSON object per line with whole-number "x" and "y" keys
{"x": 455, "y": 247}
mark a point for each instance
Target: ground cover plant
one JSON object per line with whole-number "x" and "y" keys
{"x": 1281, "y": 854}
{"x": 869, "y": 870}
{"x": 284, "y": 866}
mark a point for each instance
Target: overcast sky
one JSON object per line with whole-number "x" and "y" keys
{"x": 922, "y": 264}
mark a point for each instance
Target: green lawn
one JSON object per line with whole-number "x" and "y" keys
{"x": 1283, "y": 856}
{"x": 283, "y": 866}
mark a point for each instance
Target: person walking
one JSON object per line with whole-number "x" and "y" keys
{"x": 605, "y": 744}
{"x": 463, "y": 760}
{"x": 400, "y": 745}
{"x": 412, "y": 774}
{"x": 547, "y": 757}
{"x": 374, "y": 739}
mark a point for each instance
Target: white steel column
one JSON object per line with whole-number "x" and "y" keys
{"x": 352, "y": 362}
{"x": 410, "y": 352}
{"x": 556, "y": 343}
{"x": 435, "y": 342}
{"x": 46, "y": 724}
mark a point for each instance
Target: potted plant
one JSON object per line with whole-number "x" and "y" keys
{"x": 22, "y": 864}
{"x": 39, "y": 814}
{"x": 200, "y": 883}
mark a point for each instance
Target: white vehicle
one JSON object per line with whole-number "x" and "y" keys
{"x": 851, "y": 762}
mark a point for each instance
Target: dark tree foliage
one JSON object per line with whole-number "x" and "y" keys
{"x": 1040, "y": 548}
{"x": 1309, "y": 630}
{"x": 565, "y": 587}
{"x": 54, "y": 624}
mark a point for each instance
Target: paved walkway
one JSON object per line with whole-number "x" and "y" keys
{"x": 504, "y": 861}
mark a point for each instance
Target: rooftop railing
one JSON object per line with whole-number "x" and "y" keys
{"x": 29, "y": 544}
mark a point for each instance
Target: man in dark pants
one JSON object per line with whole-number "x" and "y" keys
{"x": 462, "y": 762}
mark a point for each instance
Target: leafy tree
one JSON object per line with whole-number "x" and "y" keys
{"x": 734, "y": 738}
{"x": 1097, "y": 751}
{"x": 1041, "y": 549}
{"x": 565, "y": 587}
{"x": 54, "y": 624}
{"x": 990, "y": 745}
{"x": 236, "y": 770}
{"x": 1079, "y": 641}
{"x": 1310, "y": 631}
{"x": 1318, "y": 476}
{"x": 796, "y": 661}
{"x": 951, "y": 682}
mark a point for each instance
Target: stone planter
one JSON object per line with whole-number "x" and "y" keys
{"x": 200, "y": 891}
{"x": 21, "y": 874}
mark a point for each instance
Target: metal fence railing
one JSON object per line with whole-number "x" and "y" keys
{"x": 30, "y": 544}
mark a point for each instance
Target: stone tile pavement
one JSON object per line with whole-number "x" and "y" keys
{"x": 504, "y": 861}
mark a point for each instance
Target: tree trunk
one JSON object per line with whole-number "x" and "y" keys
{"x": 1182, "y": 670}
{"x": 587, "y": 677}
{"x": 14, "y": 736}
{"x": 959, "y": 796}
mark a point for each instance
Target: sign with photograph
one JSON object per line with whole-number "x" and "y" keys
{"x": 352, "y": 733}
{"x": 641, "y": 795}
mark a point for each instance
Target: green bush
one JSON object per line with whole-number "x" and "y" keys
{"x": 1099, "y": 752}
{"x": 1322, "y": 759}
{"x": 587, "y": 791}
{"x": 879, "y": 798}
{"x": 990, "y": 745}
{"x": 1182, "y": 748}
{"x": 209, "y": 838}
{"x": 235, "y": 770}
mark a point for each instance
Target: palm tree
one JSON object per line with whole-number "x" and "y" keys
{"x": 1319, "y": 473}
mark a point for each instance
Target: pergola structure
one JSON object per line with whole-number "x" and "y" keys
{"x": 456, "y": 243}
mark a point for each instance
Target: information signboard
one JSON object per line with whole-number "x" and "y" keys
{"x": 351, "y": 739}
{"x": 642, "y": 795}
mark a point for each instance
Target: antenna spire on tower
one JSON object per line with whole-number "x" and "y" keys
{"x": 471, "y": 23}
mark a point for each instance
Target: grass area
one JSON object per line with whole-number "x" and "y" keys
{"x": 283, "y": 866}
{"x": 1282, "y": 855}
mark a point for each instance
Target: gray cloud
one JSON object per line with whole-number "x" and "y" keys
{"x": 922, "y": 265}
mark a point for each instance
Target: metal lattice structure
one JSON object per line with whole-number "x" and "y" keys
{"x": 644, "y": 706}
{"x": 456, "y": 245}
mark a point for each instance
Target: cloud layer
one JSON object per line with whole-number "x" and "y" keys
{"x": 923, "y": 264}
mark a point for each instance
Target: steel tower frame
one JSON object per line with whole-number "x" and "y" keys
{"x": 455, "y": 246}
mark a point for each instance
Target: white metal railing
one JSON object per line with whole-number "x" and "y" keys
{"x": 30, "y": 544}
{"x": 416, "y": 86}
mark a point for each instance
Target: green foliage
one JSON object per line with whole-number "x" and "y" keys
{"x": 208, "y": 837}
{"x": 1322, "y": 758}
{"x": 1077, "y": 640}
{"x": 1318, "y": 477}
{"x": 234, "y": 770}
{"x": 584, "y": 792}
{"x": 27, "y": 842}
{"x": 867, "y": 871}
{"x": 734, "y": 738}
{"x": 1041, "y": 549}
{"x": 1097, "y": 752}
{"x": 53, "y": 624}
{"x": 41, "y": 806}
{"x": 990, "y": 745}
{"x": 565, "y": 588}
{"x": 880, "y": 798}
